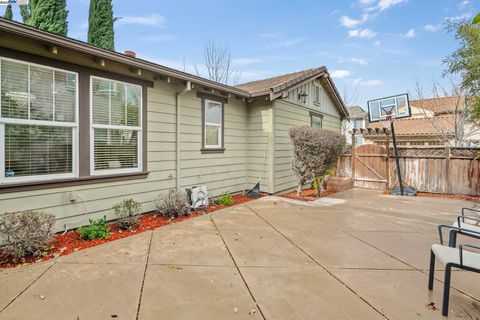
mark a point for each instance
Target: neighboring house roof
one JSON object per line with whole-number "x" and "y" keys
{"x": 276, "y": 86}
{"x": 443, "y": 105}
{"x": 357, "y": 112}
{"x": 438, "y": 125}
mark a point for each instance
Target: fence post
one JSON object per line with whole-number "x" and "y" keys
{"x": 387, "y": 145}
{"x": 353, "y": 157}
{"x": 446, "y": 184}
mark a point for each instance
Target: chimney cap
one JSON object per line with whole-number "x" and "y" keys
{"x": 130, "y": 53}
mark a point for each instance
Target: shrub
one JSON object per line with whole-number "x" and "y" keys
{"x": 315, "y": 151}
{"x": 26, "y": 233}
{"x": 97, "y": 229}
{"x": 127, "y": 212}
{"x": 173, "y": 204}
{"x": 321, "y": 179}
{"x": 226, "y": 199}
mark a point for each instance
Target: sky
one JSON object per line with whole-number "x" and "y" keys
{"x": 372, "y": 48}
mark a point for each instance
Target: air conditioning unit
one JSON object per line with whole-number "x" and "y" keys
{"x": 198, "y": 197}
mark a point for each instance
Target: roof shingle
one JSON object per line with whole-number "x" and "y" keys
{"x": 422, "y": 126}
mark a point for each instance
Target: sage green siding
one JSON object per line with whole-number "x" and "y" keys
{"x": 293, "y": 111}
{"x": 260, "y": 145}
{"x": 220, "y": 172}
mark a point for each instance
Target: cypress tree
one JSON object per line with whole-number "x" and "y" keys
{"x": 8, "y": 13}
{"x": 48, "y": 15}
{"x": 100, "y": 24}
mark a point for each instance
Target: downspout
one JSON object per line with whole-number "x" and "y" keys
{"x": 188, "y": 87}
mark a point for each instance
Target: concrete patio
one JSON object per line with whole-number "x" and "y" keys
{"x": 357, "y": 255}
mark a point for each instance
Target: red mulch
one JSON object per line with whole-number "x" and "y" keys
{"x": 307, "y": 195}
{"x": 65, "y": 244}
{"x": 448, "y": 196}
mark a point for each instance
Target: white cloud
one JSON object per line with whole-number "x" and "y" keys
{"x": 385, "y": 4}
{"x": 153, "y": 19}
{"x": 361, "y": 33}
{"x": 432, "y": 28}
{"x": 410, "y": 33}
{"x": 463, "y": 4}
{"x": 366, "y": 2}
{"x": 239, "y": 62}
{"x": 349, "y": 22}
{"x": 340, "y": 74}
{"x": 377, "y": 43}
{"x": 359, "y": 61}
{"x": 460, "y": 17}
{"x": 371, "y": 83}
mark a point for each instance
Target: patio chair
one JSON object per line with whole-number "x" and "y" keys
{"x": 464, "y": 224}
{"x": 452, "y": 258}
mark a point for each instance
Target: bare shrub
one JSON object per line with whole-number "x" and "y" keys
{"x": 24, "y": 234}
{"x": 127, "y": 212}
{"x": 172, "y": 204}
{"x": 315, "y": 151}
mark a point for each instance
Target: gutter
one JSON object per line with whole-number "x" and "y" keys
{"x": 80, "y": 46}
{"x": 188, "y": 87}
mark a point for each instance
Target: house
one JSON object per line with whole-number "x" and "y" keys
{"x": 434, "y": 122}
{"x": 358, "y": 120}
{"x": 85, "y": 128}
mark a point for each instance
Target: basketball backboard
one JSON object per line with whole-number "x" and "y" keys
{"x": 395, "y": 106}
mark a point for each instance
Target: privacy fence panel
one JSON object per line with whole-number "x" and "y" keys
{"x": 435, "y": 170}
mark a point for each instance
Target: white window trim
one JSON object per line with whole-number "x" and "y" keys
{"x": 74, "y": 125}
{"x": 212, "y": 124}
{"x": 93, "y": 126}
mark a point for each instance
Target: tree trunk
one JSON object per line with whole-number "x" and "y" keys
{"x": 299, "y": 190}
{"x": 319, "y": 188}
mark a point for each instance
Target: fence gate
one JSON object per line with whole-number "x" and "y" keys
{"x": 370, "y": 167}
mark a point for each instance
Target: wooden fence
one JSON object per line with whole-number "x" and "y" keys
{"x": 435, "y": 170}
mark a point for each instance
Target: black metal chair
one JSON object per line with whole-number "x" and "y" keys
{"x": 452, "y": 257}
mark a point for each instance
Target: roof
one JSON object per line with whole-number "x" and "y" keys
{"x": 356, "y": 112}
{"x": 443, "y": 105}
{"x": 438, "y": 125}
{"x": 272, "y": 86}
{"x": 53, "y": 39}
{"x": 289, "y": 79}
{"x": 275, "y": 86}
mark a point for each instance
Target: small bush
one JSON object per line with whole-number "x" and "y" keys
{"x": 127, "y": 212}
{"x": 226, "y": 199}
{"x": 314, "y": 152}
{"x": 173, "y": 204}
{"x": 97, "y": 229}
{"x": 26, "y": 234}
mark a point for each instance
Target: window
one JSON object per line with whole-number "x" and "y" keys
{"x": 358, "y": 124}
{"x": 213, "y": 125}
{"x": 116, "y": 127}
{"x": 316, "y": 120}
{"x": 38, "y": 122}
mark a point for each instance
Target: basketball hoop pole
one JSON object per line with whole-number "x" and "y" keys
{"x": 397, "y": 159}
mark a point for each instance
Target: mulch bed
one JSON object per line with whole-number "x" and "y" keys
{"x": 65, "y": 244}
{"x": 307, "y": 194}
{"x": 450, "y": 196}
{"x": 447, "y": 196}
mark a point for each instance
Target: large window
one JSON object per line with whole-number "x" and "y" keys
{"x": 38, "y": 122}
{"x": 213, "y": 125}
{"x": 116, "y": 127}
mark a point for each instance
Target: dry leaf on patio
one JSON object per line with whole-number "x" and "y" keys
{"x": 431, "y": 306}
{"x": 252, "y": 312}
{"x": 42, "y": 297}
{"x": 235, "y": 310}
{"x": 172, "y": 266}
